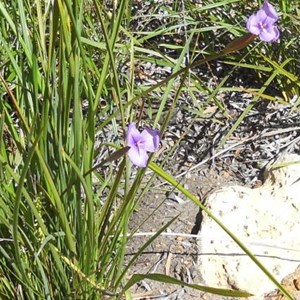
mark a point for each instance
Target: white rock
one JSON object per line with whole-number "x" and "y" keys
{"x": 266, "y": 220}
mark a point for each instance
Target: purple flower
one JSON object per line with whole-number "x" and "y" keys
{"x": 140, "y": 143}
{"x": 263, "y": 23}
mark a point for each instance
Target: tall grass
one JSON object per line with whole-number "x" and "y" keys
{"x": 67, "y": 189}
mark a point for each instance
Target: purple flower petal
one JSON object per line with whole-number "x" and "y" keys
{"x": 132, "y": 135}
{"x": 252, "y": 25}
{"x": 261, "y": 16}
{"x": 138, "y": 157}
{"x": 150, "y": 138}
{"x": 269, "y": 34}
{"x": 277, "y": 34}
{"x": 269, "y": 10}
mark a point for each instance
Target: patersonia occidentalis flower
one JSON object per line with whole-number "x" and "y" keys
{"x": 140, "y": 143}
{"x": 263, "y": 23}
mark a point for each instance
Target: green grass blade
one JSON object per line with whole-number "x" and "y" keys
{"x": 167, "y": 279}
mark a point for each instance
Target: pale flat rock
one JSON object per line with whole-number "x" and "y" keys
{"x": 266, "y": 220}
